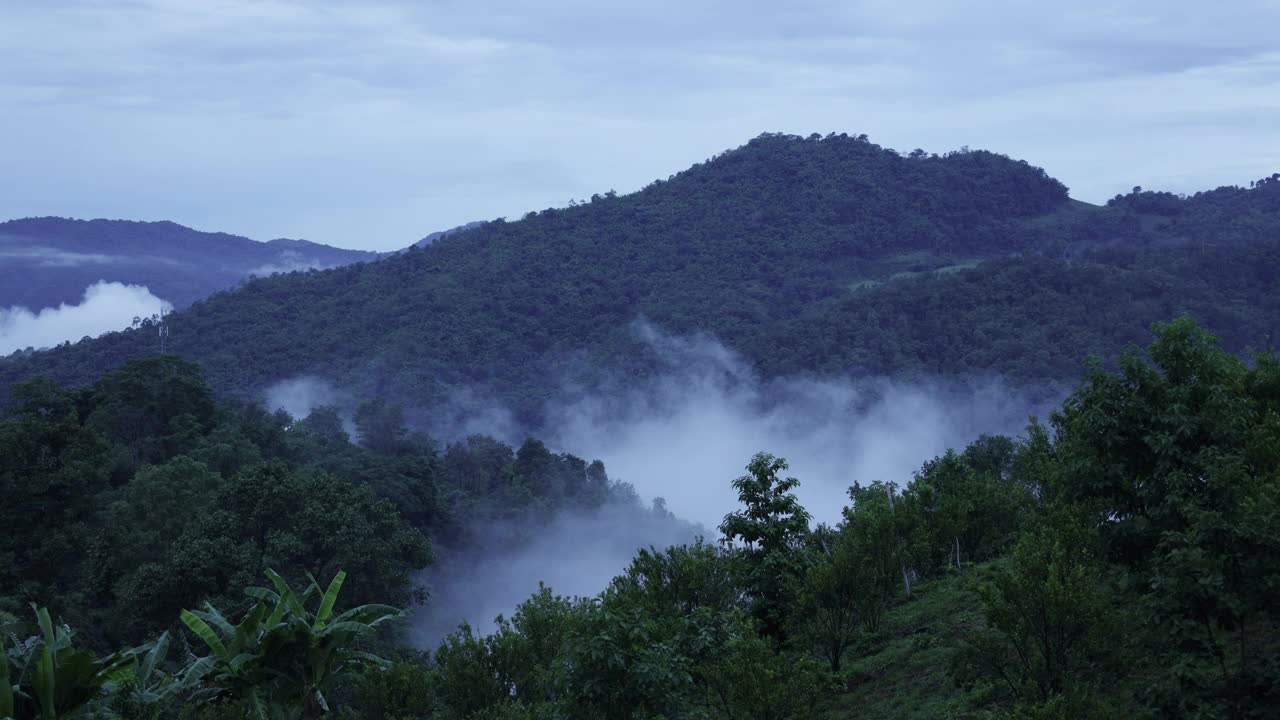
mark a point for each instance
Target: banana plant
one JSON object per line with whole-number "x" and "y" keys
{"x": 281, "y": 657}
{"x": 46, "y": 677}
{"x": 152, "y": 684}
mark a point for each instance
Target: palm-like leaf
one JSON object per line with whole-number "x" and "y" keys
{"x": 204, "y": 632}
{"x": 330, "y": 597}
{"x": 281, "y": 657}
{"x": 46, "y": 677}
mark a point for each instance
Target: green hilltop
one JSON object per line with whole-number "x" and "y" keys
{"x": 826, "y": 255}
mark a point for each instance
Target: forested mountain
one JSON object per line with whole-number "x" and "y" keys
{"x": 48, "y": 261}
{"x": 824, "y": 255}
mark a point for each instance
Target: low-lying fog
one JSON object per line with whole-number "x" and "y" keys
{"x": 684, "y": 436}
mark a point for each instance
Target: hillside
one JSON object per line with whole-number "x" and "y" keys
{"x": 805, "y": 255}
{"x": 45, "y": 262}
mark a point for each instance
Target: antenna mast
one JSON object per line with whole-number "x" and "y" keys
{"x": 164, "y": 331}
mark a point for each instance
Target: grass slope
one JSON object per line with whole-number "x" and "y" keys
{"x": 901, "y": 673}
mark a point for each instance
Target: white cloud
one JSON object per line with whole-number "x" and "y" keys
{"x": 106, "y": 306}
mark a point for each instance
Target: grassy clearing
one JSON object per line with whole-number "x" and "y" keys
{"x": 902, "y": 673}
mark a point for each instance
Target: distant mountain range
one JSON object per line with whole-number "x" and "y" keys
{"x": 48, "y": 261}
{"x": 806, "y": 256}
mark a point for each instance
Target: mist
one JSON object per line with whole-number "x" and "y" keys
{"x": 106, "y": 306}
{"x": 289, "y": 261}
{"x": 576, "y": 554}
{"x": 687, "y": 434}
{"x": 683, "y": 435}
{"x": 51, "y": 257}
{"x": 300, "y": 395}
{"x": 688, "y": 430}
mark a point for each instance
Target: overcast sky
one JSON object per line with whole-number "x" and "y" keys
{"x": 371, "y": 124}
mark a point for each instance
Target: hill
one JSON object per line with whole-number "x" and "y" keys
{"x": 49, "y": 261}
{"x": 827, "y": 255}
{"x": 442, "y": 233}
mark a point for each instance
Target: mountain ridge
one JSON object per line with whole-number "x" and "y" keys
{"x": 807, "y": 255}
{"x": 49, "y": 261}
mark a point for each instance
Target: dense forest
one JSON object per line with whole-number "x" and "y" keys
{"x": 1119, "y": 561}
{"x": 827, "y": 255}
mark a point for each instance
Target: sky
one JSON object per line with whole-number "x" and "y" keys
{"x": 371, "y": 124}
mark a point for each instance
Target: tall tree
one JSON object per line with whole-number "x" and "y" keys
{"x": 772, "y": 527}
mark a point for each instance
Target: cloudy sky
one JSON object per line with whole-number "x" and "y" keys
{"x": 371, "y": 124}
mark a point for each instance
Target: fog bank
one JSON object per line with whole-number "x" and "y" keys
{"x": 687, "y": 433}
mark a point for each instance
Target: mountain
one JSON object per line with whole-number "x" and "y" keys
{"x": 443, "y": 233}
{"x": 49, "y": 261}
{"x": 819, "y": 255}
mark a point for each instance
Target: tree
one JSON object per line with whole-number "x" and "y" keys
{"x": 381, "y": 426}
{"x": 681, "y": 579}
{"x": 1175, "y": 456}
{"x": 152, "y": 408}
{"x": 772, "y": 528}
{"x": 830, "y": 598}
{"x": 322, "y": 429}
{"x": 876, "y": 536}
{"x": 535, "y": 467}
{"x": 269, "y": 516}
{"x": 1048, "y": 610}
{"x": 51, "y": 470}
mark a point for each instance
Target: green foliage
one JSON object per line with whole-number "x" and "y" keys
{"x": 1175, "y": 458}
{"x": 1050, "y": 612}
{"x": 877, "y": 539}
{"x": 772, "y": 527}
{"x": 282, "y": 658}
{"x": 406, "y": 690}
{"x": 381, "y": 426}
{"x": 966, "y": 504}
{"x": 47, "y": 677}
{"x": 681, "y": 579}
{"x": 832, "y": 598}
{"x": 270, "y": 516}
